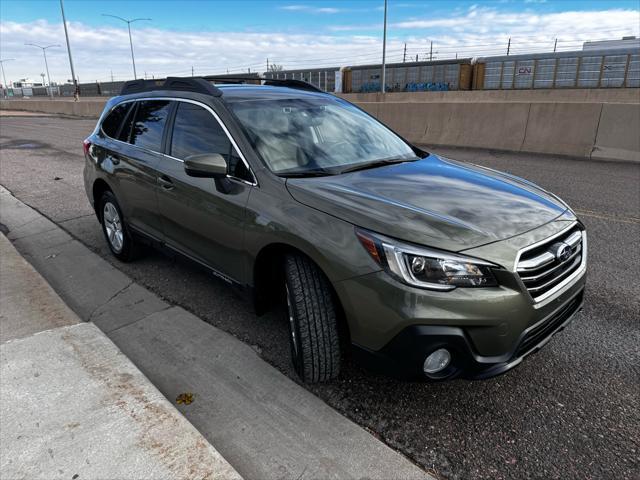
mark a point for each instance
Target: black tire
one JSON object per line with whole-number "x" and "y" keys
{"x": 127, "y": 250}
{"x": 314, "y": 339}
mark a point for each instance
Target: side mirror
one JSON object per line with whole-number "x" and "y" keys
{"x": 207, "y": 165}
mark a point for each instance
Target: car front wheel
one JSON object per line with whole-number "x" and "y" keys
{"x": 315, "y": 346}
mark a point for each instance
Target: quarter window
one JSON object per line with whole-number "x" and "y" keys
{"x": 149, "y": 124}
{"x": 125, "y": 131}
{"x": 196, "y": 132}
{"x": 112, "y": 123}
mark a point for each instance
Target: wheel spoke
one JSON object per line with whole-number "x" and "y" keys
{"x": 118, "y": 240}
{"x": 113, "y": 226}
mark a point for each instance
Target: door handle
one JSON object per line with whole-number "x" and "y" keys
{"x": 165, "y": 182}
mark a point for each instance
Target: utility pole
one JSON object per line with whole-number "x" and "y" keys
{"x": 76, "y": 92}
{"x": 267, "y": 64}
{"x": 404, "y": 55}
{"x": 129, "y": 22}
{"x": 4, "y": 79}
{"x": 111, "y": 76}
{"x": 509, "y": 46}
{"x": 431, "y": 52}
{"x": 192, "y": 71}
{"x": 555, "y": 45}
{"x": 384, "y": 50}
{"x": 416, "y": 57}
{"x": 46, "y": 65}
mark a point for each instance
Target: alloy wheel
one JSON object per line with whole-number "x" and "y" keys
{"x": 113, "y": 226}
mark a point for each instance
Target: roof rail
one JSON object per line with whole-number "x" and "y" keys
{"x": 291, "y": 83}
{"x": 204, "y": 85}
{"x": 188, "y": 84}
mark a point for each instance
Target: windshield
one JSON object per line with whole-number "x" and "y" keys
{"x": 321, "y": 135}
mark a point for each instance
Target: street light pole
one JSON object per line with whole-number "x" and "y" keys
{"x": 4, "y": 79}
{"x": 384, "y": 50}
{"x": 133, "y": 59}
{"x": 66, "y": 34}
{"x": 129, "y": 22}
{"x": 46, "y": 65}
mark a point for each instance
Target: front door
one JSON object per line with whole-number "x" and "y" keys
{"x": 201, "y": 219}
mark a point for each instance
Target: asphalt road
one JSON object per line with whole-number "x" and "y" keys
{"x": 570, "y": 411}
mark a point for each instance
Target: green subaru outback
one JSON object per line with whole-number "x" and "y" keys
{"x": 419, "y": 265}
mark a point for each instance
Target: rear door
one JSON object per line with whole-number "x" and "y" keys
{"x": 131, "y": 156}
{"x": 201, "y": 219}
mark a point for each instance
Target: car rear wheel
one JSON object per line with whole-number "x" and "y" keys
{"x": 115, "y": 229}
{"x": 315, "y": 346}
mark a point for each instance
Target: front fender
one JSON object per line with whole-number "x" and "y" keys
{"x": 330, "y": 242}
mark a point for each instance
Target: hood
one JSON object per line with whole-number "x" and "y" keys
{"x": 433, "y": 202}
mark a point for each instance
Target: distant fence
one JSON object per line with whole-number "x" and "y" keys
{"x": 107, "y": 89}
{"x": 618, "y": 68}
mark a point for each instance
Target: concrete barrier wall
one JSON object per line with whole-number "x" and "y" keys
{"x": 618, "y": 134}
{"x": 605, "y": 131}
{"x": 580, "y": 95}
{"x": 83, "y": 108}
{"x": 603, "y": 125}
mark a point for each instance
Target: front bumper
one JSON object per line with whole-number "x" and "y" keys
{"x": 404, "y": 355}
{"x": 489, "y": 330}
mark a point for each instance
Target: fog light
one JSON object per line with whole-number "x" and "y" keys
{"x": 437, "y": 361}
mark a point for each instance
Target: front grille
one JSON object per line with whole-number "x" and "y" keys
{"x": 541, "y": 331}
{"x": 545, "y": 266}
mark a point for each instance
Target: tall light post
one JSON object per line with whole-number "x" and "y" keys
{"x": 129, "y": 22}
{"x": 46, "y": 65}
{"x": 384, "y": 50}
{"x": 66, "y": 35}
{"x": 4, "y": 79}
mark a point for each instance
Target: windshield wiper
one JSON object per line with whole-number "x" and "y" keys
{"x": 306, "y": 173}
{"x": 377, "y": 163}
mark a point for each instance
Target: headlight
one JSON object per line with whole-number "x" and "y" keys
{"x": 424, "y": 267}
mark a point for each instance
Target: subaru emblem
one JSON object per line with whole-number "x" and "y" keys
{"x": 562, "y": 252}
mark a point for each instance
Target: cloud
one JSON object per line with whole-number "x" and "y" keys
{"x": 310, "y": 9}
{"x": 395, "y": 6}
{"x": 568, "y": 25}
{"x": 98, "y": 51}
{"x": 480, "y": 23}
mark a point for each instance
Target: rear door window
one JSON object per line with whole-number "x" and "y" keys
{"x": 111, "y": 124}
{"x": 196, "y": 132}
{"x": 149, "y": 123}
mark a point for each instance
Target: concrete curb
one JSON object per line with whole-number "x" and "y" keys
{"x": 72, "y": 405}
{"x": 263, "y": 423}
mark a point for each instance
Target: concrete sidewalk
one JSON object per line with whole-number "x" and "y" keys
{"x": 266, "y": 425}
{"x": 73, "y": 406}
